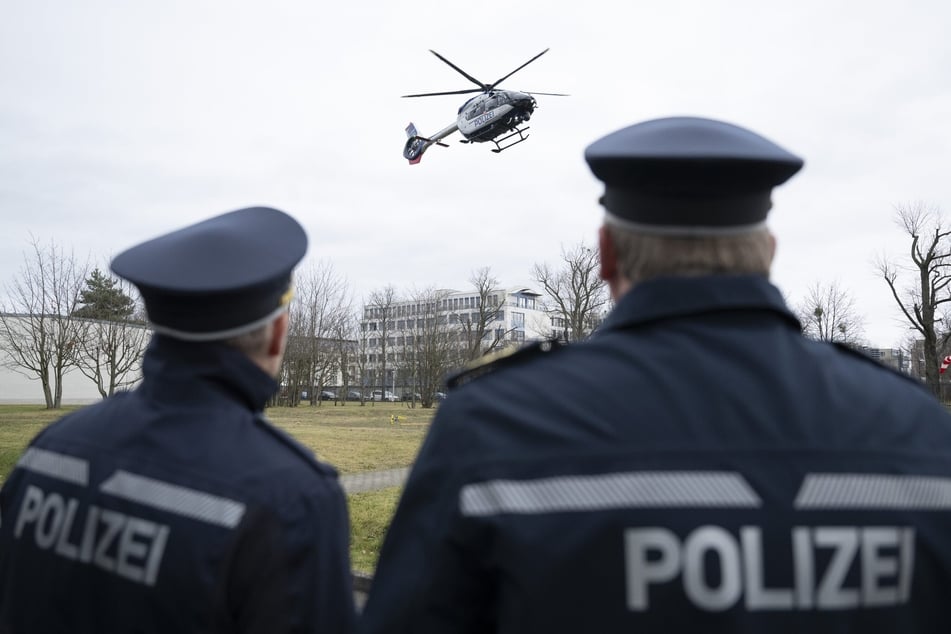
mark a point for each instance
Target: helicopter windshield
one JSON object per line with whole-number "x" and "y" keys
{"x": 468, "y": 101}
{"x": 482, "y": 103}
{"x": 477, "y": 109}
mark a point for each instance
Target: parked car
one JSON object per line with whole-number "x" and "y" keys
{"x": 385, "y": 396}
{"x": 412, "y": 396}
{"x": 438, "y": 397}
{"x": 327, "y": 395}
{"x": 354, "y": 395}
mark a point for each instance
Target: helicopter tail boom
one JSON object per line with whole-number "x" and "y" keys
{"x": 416, "y": 144}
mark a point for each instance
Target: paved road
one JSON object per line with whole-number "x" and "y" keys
{"x": 373, "y": 480}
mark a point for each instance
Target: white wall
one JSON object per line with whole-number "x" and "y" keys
{"x": 16, "y": 388}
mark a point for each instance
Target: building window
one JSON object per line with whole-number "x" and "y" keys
{"x": 525, "y": 302}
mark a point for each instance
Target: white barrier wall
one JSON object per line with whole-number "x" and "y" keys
{"x": 16, "y": 388}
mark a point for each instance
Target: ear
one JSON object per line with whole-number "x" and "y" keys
{"x": 608, "y": 255}
{"x": 278, "y": 336}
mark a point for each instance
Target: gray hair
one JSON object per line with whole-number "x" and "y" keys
{"x": 252, "y": 343}
{"x": 642, "y": 256}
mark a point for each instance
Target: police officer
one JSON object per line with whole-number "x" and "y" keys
{"x": 696, "y": 465}
{"x": 177, "y": 507}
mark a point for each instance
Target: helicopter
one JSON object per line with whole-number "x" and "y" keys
{"x": 491, "y": 116}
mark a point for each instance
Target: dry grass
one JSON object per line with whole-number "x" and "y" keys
{"x": 18, "y": 425}
{"x": 351, "y": 437}
{"x": 370, "y": 516}
{"x": 357, "y": 438}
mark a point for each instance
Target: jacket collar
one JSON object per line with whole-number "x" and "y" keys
{"x": 670, "y": 297}
{"x": 182, "y": 371}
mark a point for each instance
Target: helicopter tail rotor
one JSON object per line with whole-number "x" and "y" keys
{"x": 416, "y": 145}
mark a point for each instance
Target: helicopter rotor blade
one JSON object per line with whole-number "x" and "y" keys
{"x": 550, "y": 94}
{"x": 478, "y": 83}
{"x": 500, "y": 80}
{"x": 450, "y": 92}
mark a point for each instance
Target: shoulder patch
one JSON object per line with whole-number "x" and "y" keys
{"x": 493, "y": 361}
{"x": 841, "y": 347}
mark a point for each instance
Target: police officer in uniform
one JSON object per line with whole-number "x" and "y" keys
{"x": 177, "y": 507}
{"x": 697, "y": 464}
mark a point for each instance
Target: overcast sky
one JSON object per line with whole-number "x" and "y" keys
{"x": 122, "y": 120}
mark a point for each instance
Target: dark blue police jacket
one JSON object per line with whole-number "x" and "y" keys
{"x": 697, "y": 465}
{"x": 175, "y": 508}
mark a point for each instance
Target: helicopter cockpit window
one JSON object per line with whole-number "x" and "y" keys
{"x": 476, "y": 111}
{"x": 492, "y": 102}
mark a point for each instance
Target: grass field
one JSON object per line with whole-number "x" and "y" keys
{"x": 351, "y": 437}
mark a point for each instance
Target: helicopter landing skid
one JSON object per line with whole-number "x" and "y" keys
{"x": 518, "y": 132}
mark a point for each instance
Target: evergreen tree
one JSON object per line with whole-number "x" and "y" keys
{"x": 104, "y": 299}
{"x": 114, "y": 338}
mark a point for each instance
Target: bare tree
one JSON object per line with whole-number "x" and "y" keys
{"x": 478, "y": 334}
{"x": 111, "y": 353}
{"x": 920, "y": 287}
{"x": 913, "y": 351}
{"x": 431, "y": 344}
{"x": 828, "y": 313}
{"x": 322, "y": 302}
{"x": 576, "y": 291}
{"x": 38, "y": 329}
{"x": 328, "y": 303}
{"x": 295, "y": 369}
{"x": 404, "y": 351}
{"x": 115, "y": 336}
{"x": 362, "y": 365}
{"x": 380, "y": 312}
{"x": 346, "y": 338}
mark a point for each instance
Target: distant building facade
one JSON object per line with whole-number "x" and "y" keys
{"x": 894, "y": 358}
{"x": 516, "y": 316}
{"x": 916, "y": 361}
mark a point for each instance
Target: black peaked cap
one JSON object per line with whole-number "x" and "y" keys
{"x": 217, "y": 278}
{"x": 689, "y": 175}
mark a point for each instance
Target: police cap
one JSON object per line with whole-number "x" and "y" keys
{"x": 218, "y": 278}
{"x": 688, "y": 175}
